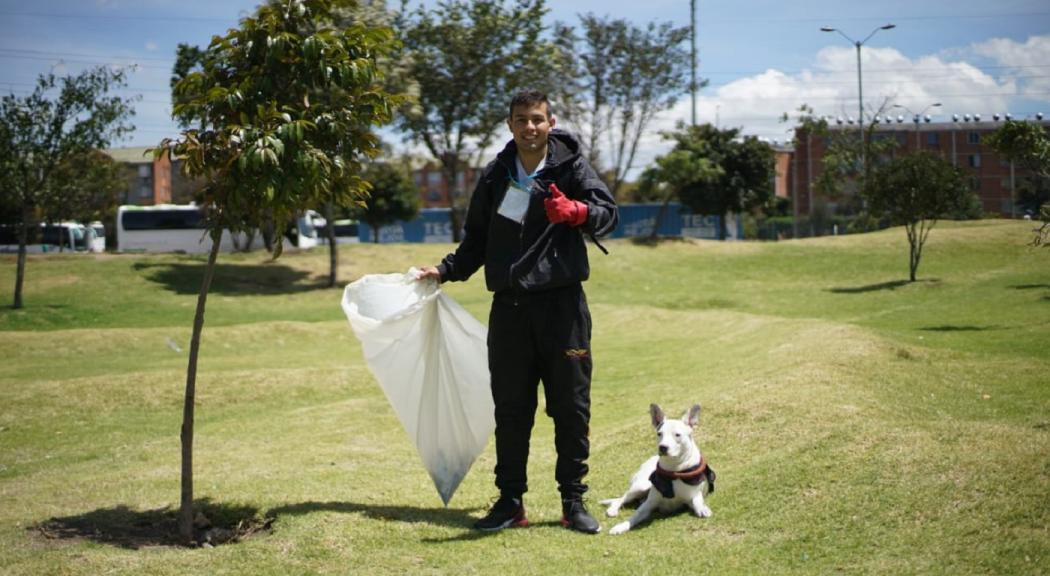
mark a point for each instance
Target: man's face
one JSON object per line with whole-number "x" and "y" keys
{"x": 530, "y": 126}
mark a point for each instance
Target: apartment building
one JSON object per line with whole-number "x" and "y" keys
{"x": 963, "y": 142}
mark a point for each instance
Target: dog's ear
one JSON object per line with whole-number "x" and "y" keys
{"x": 692, "y": 418}
{"x": 657, "y": 415}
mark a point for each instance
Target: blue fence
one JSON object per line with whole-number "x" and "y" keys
{"x": 636, "y": 220}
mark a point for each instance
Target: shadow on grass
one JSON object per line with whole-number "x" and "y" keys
{"x": 123, "y": 527}
{"x": 448, "y": 517}
{"x": 451, "y": 517}
{"x": 1031, "y": 286}
{"x": 893, "y": 285}
{"x": 229, "y": 279}
{"x": 656, "y": 242}
{"x": 958, "y": 328}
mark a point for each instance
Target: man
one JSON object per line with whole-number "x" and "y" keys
{"x": 525, "y": 225}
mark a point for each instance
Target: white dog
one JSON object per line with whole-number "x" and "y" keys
{"x": 672, "y": 479}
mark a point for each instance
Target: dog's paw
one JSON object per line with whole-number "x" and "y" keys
{"x": 612, "y": 511}
{"x": 703, "y": 512}
{"x": 620, "y": 528}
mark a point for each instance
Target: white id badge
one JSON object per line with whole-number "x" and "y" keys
{"x": 515, "y": 204}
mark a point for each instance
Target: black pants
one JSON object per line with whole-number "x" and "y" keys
{"x": 541, "y": 337}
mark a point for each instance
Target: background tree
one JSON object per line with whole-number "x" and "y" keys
{"x": 716, "y": 171}
{"x": 188, "y": 58}
{"x": 622, "y": 77}
{"x": 1028, "y": 144}
{"x": 63, "y": 117}
{"x": 466, "y": 59}
{"x": 85, "y": 187}
{"x": 393, "y": 196}
{"x": 914, "y": 191}
{"x": 283, "y": 114}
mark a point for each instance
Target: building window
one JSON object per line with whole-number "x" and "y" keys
{"x": 433, "y": 180}
{"x": 1004, "y": 183}
{"x": 433, "y": 196}
{"x": 975, "y": 160}
{"x": 975, "y": 183}
{"x": 974, "y": 138}
{"x": 933, "y": 138}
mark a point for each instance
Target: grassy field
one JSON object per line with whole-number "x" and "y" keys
{"x": 859, "y": 423}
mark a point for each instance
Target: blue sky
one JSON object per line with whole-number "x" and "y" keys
{"x": 763, "y": 58}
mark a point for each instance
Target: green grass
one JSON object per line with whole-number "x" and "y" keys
{"x": 858, "y": 423}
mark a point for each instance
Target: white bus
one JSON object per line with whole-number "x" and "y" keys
{"x": 49, "y": 238}
{"x": 180, "y": 228}
{"x": 96, "y": 236}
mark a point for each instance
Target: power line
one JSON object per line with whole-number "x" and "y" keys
{"x": 82, "y": 55}
{"x": 165, "y": 18}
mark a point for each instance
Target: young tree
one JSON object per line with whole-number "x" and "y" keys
{"x": 716, "y": 171}
{"x": 622, "y": 78}
{"x": 467, "y": 58}
{"x": 283, "y": 114}
{"x": 914, "y": 191}
{"x": 62, "y": 118}
{"x": 393, "y": 197}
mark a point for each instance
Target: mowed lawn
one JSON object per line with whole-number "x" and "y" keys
{"x": 859, "y": 423}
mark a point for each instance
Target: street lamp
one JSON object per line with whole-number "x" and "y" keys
{"x": 860, "y": 85}
{"x": 918, "y": 118}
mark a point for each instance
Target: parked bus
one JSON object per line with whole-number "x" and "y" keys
{"x": 48, "y": 238}
{"x": 180, "y": 228}
{"x": 96, "y": 235}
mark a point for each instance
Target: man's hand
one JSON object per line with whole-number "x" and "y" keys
{"x": 561, "y": 209}
{"x": 429, "y": 272}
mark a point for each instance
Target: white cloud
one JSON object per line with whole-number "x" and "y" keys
{"x": 756, "y": 103}
{"x": 151, "y": 46}
{"x": 1023, "y": 63}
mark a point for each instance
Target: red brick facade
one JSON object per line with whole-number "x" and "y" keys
{"x": 993, "y": 178}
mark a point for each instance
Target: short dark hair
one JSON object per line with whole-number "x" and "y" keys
{"x": 529, "y": 98}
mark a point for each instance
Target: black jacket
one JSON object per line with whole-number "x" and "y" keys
{"x": 536, "y": 255}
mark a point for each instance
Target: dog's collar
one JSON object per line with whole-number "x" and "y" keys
{"x": 687, "y": 474}
{"x": 663, "y": 480}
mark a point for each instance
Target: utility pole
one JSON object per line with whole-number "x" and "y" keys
{"x": 692, "y": 61}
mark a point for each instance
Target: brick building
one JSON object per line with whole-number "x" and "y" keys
{"x": 994, "y": 179}
{"x": 433, "y": 186}
{"x": 152, "y": 182}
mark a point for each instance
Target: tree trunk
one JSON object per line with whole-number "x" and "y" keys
{"x": 722, "y": 227}
{"x": 186, "y": 505}
{"x": 660, "y": 216}
{"x": 333, "y": 249}
{"x": 450, "y": 169}
{"x": 20, "y": 276}
{"x": 913, "y": 251}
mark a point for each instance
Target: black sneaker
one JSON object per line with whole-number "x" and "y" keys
{"x": 576, "y": 517}
{"x": 507, "y": 512}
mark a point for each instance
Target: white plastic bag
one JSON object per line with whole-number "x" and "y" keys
{"x": 431, "y": 359}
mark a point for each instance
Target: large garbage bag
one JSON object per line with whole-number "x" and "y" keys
{"x": 431, "y": 360}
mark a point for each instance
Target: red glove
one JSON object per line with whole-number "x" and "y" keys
{"x": 561, "y": 209}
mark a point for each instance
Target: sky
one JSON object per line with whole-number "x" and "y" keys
{"x": 762, "y": 59}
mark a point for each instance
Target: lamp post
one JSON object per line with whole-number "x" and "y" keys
{"x": 860, "y": 85}
{"x": 918, "y": 118}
